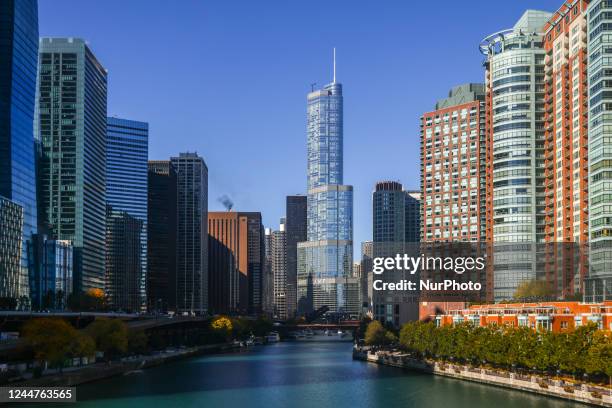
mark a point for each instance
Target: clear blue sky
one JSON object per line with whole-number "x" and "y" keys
{"x": 228, "y": 79}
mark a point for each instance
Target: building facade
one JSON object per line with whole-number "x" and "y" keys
{"x": 11, "y": 220}
{"x": 599, "y": 286}
{"x": 453, "y": 167}
{"x": 71, "y": 124}
{"x": 268, "y": 278}
{"x": 236, "y": 261}
{"x": 18, "y": 65}
{"x": 279, "y": 271}
{"x": 394, "y": 231}
{"x": 161, "y": 236}
{"x": 124, "y": 277}
{"x": 325, "y": 260}
{"x": 51, "y": 272}
{"x": 516, "y": 201}
{"x": 296, "y": 231}
{"x": 192, "y": 233}
{"x": 558, "y": 317}
{"x": 127, "y": 151}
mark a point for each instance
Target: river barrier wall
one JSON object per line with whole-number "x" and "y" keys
{"x": 585, "y": 393}
{"x": 100, "y": 371}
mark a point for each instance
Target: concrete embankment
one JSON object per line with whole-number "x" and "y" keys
{"x": 585, "y": 393}
{"x": 100, "y": 371}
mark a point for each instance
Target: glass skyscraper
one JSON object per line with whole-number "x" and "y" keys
{"x": 325, "y": 260}
{"x": 192, "y": 233}
{"x": 127, "y": 151}
{"x": 71, "y": 125}
{"x": 18, "y": 64}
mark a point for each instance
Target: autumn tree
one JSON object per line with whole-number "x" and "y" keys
{"x": 110, "y": 337}
{"x": 54, "y": 341}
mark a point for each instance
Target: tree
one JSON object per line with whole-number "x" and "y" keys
{"x": 137, "y": 341}
{"x": 110, "y": 337}
{"x": 222, "y": 327}
{"x": 377, "y": 335}
{"x": 533, "y": 290}
{"x": 54, "y": 341}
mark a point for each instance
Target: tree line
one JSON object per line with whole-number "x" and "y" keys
{"x": 584, "y": 350}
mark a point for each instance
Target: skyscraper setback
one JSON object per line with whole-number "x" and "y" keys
{"x": 192, "y": 233}
{"x": 325, "y": 260}
{"x": 71, "y": 124}
{"x": 18, "y": 65}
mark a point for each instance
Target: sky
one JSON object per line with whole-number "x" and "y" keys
{"x": 228, "y": 79}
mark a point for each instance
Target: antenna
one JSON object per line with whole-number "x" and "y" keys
{"x": 334, "y": 65}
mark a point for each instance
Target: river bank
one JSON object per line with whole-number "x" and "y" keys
{"x": 101, "y": 371}
{"x": 584, "y": 393}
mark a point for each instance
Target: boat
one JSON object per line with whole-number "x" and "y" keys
{"x": 273, "y": 337}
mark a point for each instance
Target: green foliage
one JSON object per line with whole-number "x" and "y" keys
{"x": 377, "y": 335}
{"x": 533, "y": 290}
{"x": 55, "y": 340}
{"x": 137, "y": 342}
{"x": 110, "y": 337}
{"x": 584, "y": 350}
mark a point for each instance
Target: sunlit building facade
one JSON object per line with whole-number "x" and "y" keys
{"x": 514, "y": 103}
{"x": 325, "y": 260}
{"x": 71, "y": 124}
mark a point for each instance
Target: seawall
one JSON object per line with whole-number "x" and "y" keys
{"x": 585, "y": 393}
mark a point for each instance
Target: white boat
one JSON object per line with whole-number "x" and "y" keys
{"x": 273, "y": 337}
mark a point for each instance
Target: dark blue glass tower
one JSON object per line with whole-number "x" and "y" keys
{"x": 18, "y": 62}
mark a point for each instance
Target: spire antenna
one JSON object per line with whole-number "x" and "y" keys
{"x": 334, "y": 65}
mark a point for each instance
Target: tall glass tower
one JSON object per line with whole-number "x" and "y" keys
{"x": 71, "y": 125}
{"x": 127, "y": 150}
{"x": 325, "y": 260}
{"x": 18, "y": 62}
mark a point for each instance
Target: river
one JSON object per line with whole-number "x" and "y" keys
{"x": 296, "y": 375}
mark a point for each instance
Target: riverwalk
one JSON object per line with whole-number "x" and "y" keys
{"x": 578, "y": 392}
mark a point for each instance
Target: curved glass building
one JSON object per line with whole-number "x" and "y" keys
{"x": 18, "y": 64}
{"x": 515, "y": 148}
{"x": 515, "y": 92}
{"x": 325, "y": 260}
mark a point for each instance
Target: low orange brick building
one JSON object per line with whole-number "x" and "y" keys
{"x": 555, "y": 316}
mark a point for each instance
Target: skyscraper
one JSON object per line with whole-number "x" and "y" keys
{"x": 366, "y": 275}
{"x": 18, "y": 64}
{"x": 50, "y": 272}
{"x": 268, "y": 277}
{"x": 124, "y": 274}
{"x": 71, "y": 125}
{"x": 279, "y": 271}
{"x": 515, "y": 140}
{"x": 600, "y": 150}
{"x": 127, "y": 150}
{"x": 453, "y": 167}
{"x": 192, "y": 233}
{"x": 389, "y": 212}
{"x": 413, "y": 216}
{"x": 394, "y": 215}
{"x": 325, "y": 261}
{"x": 11, "y": 231}
{"x": 236, "y": 261}
{"x": 161, "y": 236}
{"x": 296, "y": 225}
